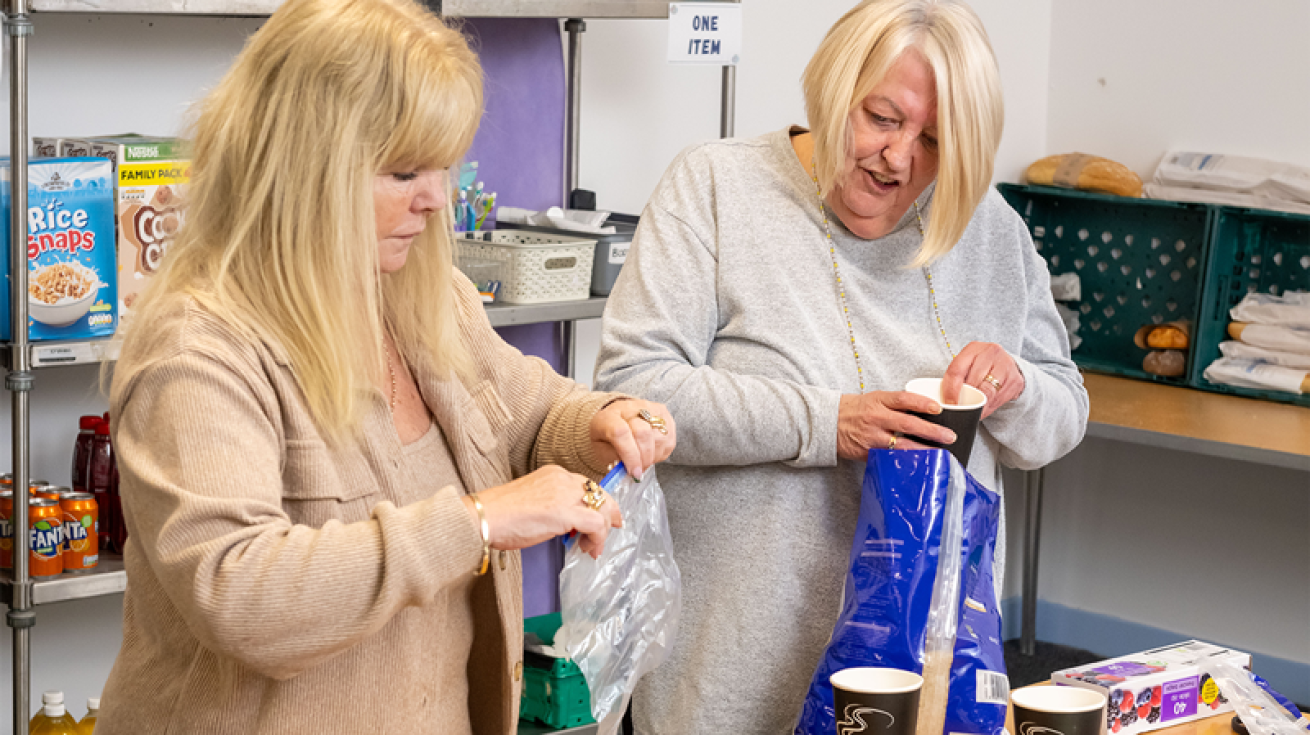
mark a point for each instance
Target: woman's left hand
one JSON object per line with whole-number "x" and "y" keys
{"x": 619, "y": 433}
{"x": 987, "y": 367}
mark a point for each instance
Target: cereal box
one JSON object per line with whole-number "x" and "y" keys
{"x": 47, "y": 147}
{"x": 72, "y": 290}
{"x": 152, "y": 178}
{"x": 1158, "y": 688}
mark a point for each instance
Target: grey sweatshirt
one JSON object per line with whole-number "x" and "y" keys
{"x": 727, "y": 311}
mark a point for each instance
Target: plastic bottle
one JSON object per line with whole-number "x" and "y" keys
{"x": 101, "y": 481}
{"x": 82, "y": 453}
{"x": 88, "y": 724}
{"x": 57, "y": 721}
{"x": 48, "y": 716}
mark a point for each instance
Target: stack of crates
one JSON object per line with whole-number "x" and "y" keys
{"x": 1145, "y": 261}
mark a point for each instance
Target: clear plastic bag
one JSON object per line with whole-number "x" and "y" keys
{"x": 1259, "y": 706}
{"x": 620, "y": 612}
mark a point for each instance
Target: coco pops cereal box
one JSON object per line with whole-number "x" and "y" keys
{"x": 152, "y": 175}
{"x": 1157, "y": 688}
{"x": 72, "y": 290}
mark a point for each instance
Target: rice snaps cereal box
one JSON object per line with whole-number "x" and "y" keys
{"x": 70, "y": 250}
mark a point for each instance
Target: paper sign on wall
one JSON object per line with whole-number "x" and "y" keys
{"x": 705, "y": 33}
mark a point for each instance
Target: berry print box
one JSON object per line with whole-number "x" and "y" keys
{"x": 72, "y": 268}
{"x": 1158, "y": 688}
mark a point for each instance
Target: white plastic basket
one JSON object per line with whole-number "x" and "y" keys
{"x": 537, "y": 268}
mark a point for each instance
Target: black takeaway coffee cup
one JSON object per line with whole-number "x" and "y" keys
{"x": 1058, "y": 710}
{"x": 961, "y": 417}
{"x": 876, "y": 700}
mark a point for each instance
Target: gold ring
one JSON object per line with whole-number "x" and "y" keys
{"x": 892, "y": 444}
{"x": 655, "y": 422}
{"x": 593, "y": 496}
{"x": 992, "y": 379}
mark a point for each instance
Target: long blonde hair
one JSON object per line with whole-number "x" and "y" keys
{"x": 280, "y": 235}
{"x": 855, "y": 56}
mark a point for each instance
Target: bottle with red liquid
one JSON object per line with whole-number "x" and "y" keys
{"x": 101, "y": 476}
{"x": 82, "y": 453}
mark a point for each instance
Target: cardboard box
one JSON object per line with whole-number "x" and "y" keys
{"x": 151, "y": 176}
{"x": 1157, "y": 688}
{"x": 70, "y": 250}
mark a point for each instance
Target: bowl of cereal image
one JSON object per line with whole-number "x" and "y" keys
{"x": 59, "y": 294}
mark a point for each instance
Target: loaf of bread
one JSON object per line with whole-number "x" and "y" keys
{"x": 1168, "y": 336}
{"x": 1165, "y": 363}
{"x": 1085, "y": 172}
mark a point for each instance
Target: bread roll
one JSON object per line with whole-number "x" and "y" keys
{"x": 1165, "y": 363}
{"x": 1171, "y": 336}
{"x": 1089, "y": 173}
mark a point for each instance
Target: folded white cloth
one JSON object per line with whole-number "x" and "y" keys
{"x": 1280, "y": 339}
{"x": 1252, "y": 374}
{"x": 1242, "y": 350}
{"x": 1292, "y": 309}
{"x": 1238, "y": 180}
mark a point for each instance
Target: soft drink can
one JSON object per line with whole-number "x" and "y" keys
{"x": 7, "y": 529}
{"x": 45, "y": 521}
{"x": 49, "y": 492}
{"x": 81, "y": 532}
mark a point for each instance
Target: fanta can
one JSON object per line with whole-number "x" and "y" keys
{"x": 45, "y": 519}
{"x": 51, "y": 492}
{"x": 81, "y": 532}
{"x": 7, "y": 529}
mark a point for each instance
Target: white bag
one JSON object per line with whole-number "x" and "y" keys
{"x": 1212, "y": 178}
{"x": 1292, "y": 309}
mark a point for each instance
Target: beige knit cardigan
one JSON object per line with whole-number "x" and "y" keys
{"x": 276, "y": 584}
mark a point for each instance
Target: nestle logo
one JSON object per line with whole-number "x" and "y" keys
{"x": 143, "y": 151}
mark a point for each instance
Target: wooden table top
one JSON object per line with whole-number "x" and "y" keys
{"x": 1196, "y": 415}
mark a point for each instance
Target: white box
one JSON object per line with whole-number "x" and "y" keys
{"x": 1159, "y": 688}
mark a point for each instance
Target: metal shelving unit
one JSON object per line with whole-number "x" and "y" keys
{"x": 17, "y": 589}
{"x": 107, "y": 579}
{"x": 457, "y": 8}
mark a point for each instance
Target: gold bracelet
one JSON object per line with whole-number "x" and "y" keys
{"x": 486, "y": 537}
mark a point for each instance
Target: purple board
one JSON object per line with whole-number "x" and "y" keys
{"x": 519, "y": 150}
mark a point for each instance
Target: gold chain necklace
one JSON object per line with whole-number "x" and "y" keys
{"x": 391, "y": 369}
{"x": 841, "y": 288}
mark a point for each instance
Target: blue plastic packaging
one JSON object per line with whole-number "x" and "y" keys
{"x": 889, "y": 590}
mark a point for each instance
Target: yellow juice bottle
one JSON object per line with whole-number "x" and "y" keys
{"x": 88, "y": 724}
{"x": 57, "y": 722}
{"x": 47, "y": 699}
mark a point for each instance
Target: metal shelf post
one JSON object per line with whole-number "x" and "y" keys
{"x": 21, "y": 618}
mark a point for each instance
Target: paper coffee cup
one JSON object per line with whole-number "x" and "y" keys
{"x": 1058, "y": 710}
{"x": 876, "y": 700}
{"x": 961, "y": 417}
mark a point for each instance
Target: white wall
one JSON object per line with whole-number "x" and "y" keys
{"x": 1131, "y": 80}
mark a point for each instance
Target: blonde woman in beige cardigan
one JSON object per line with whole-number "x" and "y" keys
{"x": 329, "y": 460}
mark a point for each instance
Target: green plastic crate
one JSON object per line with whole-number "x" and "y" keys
{"x": 554, "y": 690}
{"x": 1253, "y": 250}
{"x": 1140, "y": 261}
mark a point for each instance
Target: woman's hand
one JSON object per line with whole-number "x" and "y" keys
{"x": 619, "y": 433}
{"x": 542, "y": 505}
{"x": 869, "y": 421}
{"x": 975, "y": 364}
